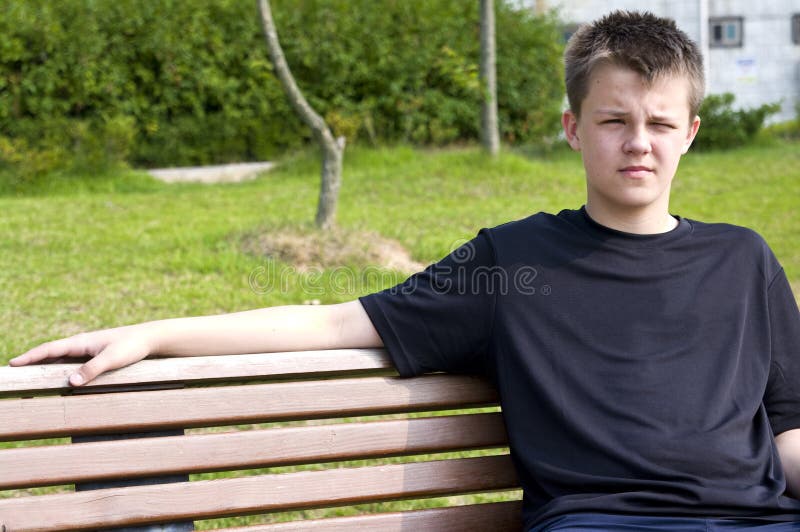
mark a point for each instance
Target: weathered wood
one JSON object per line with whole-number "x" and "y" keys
{"x": 53, "y": 377}
{"x": 224, "y": 497}
{"x": 230, "y": 405}
{"x": 492, "y": 517}
{"x": 299, "y": 386}
{"x": 64, "y": 464}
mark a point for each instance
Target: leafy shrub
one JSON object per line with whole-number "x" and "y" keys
{"x": 724, "y": 127}
{"x": 790, "y": 129}
{"x": 530, "y": 85}
{"x": 20, "y": 164}
{"x": 177, "y": 72}
{"x": 163, "y": 82}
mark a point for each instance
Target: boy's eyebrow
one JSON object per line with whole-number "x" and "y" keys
{"x": 613, "y": 112}
{"x": 616, "y": 112}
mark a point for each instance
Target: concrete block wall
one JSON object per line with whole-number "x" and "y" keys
{"x": 766, "y": 68}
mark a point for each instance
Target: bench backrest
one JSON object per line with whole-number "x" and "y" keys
{"x": 130, "y": 459}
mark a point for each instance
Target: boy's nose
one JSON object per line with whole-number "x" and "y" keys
{"x": 638, "y": 141}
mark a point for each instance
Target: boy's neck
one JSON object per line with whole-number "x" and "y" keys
{"x": 648, "y": 222}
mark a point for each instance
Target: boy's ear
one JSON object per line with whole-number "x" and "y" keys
{"x": 570, "y": 124}
{"x": 692, "y": 133}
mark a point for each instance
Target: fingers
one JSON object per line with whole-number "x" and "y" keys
{"x": 112, "y": 357}
{"x": 110, "y": 349}
{"x": 92, "y": 369}
{"x": 80, "y": 345}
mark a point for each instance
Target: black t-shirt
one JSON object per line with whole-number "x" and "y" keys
{"x": 639, "y": 374}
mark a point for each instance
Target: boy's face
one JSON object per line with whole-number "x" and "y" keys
{"x": 631, "y": 135}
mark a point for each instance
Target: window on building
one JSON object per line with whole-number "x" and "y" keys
{"x": 726, "y": 31}
{"x": 796, "y": 28}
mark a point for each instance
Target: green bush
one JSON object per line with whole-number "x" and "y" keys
{"x": 790, "y": 129}
{"x": 724, "y": 127}
{"x": 70, "y": 147}
{"x": 188, "y": 77}
{"x": 165, "y": 82}
{"x": 530, "y": 85}
{"x": 21, "y": 165}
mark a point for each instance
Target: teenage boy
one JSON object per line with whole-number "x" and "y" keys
{"x": 647, "y": 364}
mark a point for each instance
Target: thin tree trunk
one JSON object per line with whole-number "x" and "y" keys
{"x": 332, "y": 149}
{"x": 490, "y": 137}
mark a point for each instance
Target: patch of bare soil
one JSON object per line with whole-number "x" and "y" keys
{"x": 307, "y": 249}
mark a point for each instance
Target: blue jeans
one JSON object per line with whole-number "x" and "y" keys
{"x": 595, "y": 522}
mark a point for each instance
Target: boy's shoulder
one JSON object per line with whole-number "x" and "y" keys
{"x": 727, "y": 232}
{"x": 572, "y": 227}
{"x": 530, "y": 232}
{"x": 540, "y": 221}
{"x": 576, "y": 219}
{"x": 736, "y": 243}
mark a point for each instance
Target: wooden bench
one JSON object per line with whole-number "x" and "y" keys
{"x": 130, "y": 459}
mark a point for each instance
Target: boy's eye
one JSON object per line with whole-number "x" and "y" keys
{"x": 612, "y": 121}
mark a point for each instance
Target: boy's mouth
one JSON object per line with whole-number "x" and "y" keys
{"x": 636, "y": 172}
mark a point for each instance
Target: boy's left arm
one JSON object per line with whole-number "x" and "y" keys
{"x": 782, "y": 395}
{"x": 789, "y": 450}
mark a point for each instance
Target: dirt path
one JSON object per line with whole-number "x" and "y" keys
{"x": 224, "y": 173}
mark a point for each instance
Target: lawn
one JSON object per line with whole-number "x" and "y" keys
{"x": 97, "y": 252}
{"x": 135, "y": 250}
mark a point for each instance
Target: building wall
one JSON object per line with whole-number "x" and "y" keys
{"x": 765, "y": 69}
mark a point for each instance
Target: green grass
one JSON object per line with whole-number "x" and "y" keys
{"x": 85, "y": 253}
{"x": 83, "y": 259}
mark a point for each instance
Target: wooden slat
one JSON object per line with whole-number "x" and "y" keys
{"x": 487, "y": 517}
{"x": 53, "y": 377}
{"x": 67, "y": 464}
{"x": 152, "y": 410}
{"x": 226, "y": 497}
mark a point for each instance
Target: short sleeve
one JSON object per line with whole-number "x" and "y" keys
{"x": 439, "y": 319}
{"x": 782, "y": 399}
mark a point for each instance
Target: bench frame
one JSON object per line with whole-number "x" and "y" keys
{"x": 130, "y": 459}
